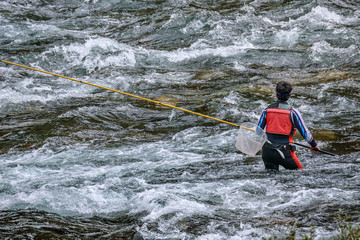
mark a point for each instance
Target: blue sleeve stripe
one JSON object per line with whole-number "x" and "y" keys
{"x": 298, "y": 123}
{"x": 262, "y": 122}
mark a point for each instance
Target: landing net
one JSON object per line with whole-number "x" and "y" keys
{"x": 250, "y": 138}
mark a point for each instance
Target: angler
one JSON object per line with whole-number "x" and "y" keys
{"x": 281, "y": 122}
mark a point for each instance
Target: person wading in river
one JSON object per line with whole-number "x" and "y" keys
{"x": 281, "y": 121}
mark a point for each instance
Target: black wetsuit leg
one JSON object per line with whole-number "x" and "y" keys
{"x": 272, "y": 158}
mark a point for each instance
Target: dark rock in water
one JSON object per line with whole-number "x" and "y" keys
{"x": 137, "y": 236}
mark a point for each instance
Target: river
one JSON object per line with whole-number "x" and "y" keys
{"x": 80, "y": 162}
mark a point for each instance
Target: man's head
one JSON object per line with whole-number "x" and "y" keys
{"x": 283, "y": 90}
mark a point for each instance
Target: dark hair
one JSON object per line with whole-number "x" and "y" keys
{"x": 283, "y": 90}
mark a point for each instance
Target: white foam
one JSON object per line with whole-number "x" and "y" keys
{"x": 323, "y": 51}
{"x": 28, "y": 90}
{"x": 190, "y": 53}
{"x": 162, "y": 201}
{"x": 91, "y": 53}
{"x": 288, "y": 37}
{"x": 323, "y": 14}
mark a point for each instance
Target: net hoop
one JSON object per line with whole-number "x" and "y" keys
{"x": 250, "y": 138}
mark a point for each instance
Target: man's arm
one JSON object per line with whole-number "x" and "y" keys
{"x": 262, "y": 119}
{"x": 301, "y": 127}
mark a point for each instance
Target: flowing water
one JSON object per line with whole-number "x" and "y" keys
{"x": 79, "y": 162}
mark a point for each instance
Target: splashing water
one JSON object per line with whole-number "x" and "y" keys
{"x": 81, "y": 162}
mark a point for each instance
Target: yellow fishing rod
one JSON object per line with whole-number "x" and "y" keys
{"x": 128, "y": 94}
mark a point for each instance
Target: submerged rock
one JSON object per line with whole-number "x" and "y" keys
{"x": 167, "y": 100}
{"x": 329, "y": 76}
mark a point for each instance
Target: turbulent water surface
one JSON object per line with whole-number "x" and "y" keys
{"x": 80, "y": 162}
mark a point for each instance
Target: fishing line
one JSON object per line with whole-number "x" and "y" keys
{"x": 149, "y": 100}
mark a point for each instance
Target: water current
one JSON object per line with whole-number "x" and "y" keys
{"x": 79, "y": 162}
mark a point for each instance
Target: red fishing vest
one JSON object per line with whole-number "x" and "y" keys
{"x": 278, "y": 120}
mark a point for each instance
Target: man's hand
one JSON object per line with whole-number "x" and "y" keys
{"x": 315, "y": 149}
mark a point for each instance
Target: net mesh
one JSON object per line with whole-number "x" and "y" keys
{"x": 250, "y": 138}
